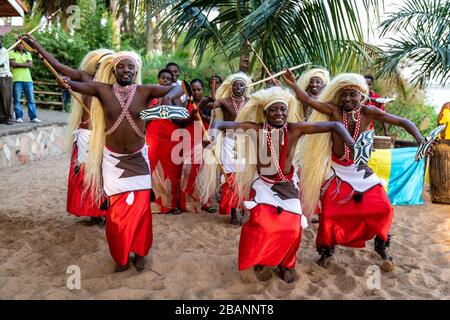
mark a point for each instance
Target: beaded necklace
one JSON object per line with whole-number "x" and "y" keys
{"x": 345, "y": 120}
{"x": 238, "y": 103}
{"x": 268, "y": 129}
{"x": 125, "y": 95}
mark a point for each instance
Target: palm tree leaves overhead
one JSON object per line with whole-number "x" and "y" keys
{"x": 422, "y": 35}
{"x": 288, "y": 32}
{"x": 422, "y": 13}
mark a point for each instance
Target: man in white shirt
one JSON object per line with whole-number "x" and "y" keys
{"x": 6, "y": 87}
{"x": 173, "y": 67}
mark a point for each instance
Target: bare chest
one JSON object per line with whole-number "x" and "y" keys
{"x": 353, "y": 122}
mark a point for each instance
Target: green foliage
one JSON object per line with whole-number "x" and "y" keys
{"x": 95, "y": 27}
{"x": 70, "y": 46}
{"x": 410, "y": 104}
{"x": 284, "y": 33}
{"x": 153, "y": 63}
{"x": 67, "y": 49}
{"x": 415, "y": 109}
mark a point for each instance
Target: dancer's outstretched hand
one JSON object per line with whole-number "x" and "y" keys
{"x": 64, "y": 83}
{"x": 209, "y": 144}
{"x": 289, "y": 77}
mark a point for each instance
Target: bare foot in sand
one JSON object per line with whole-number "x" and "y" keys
{"x": 324, "y": 261}
{"x": 262, "y": 273}
{"x": 387, "y": 266}
{"x": 382, "y": 248}
{"x": 209, "y": 209}
{"x": 326, "y": 255}
{"x": 93, "y": 221}
{"x": 139, "y": 262}
{"x": 175, "y": 211}
{"x": 234, "y": 219}
{"x": 119, "y": 268}
{"x": 286, "y": 274}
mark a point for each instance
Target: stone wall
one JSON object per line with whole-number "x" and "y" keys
{"x": 33, "y": 145}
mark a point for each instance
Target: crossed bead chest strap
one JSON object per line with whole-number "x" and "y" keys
{"x": 119, "y": 93}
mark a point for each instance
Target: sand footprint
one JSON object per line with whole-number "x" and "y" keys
{"x": 335, "y": 269}
{"x": 345, "y": 284}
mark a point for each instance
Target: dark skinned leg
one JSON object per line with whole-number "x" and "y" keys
{"x": 326, "y": 253}
{"x": 234, "y": 220}
{"x": 139, "y": 262}
{"x": 262, "y": 273}
{"x": 96, "y": 220}
{"x": 119, "y": 268}
{"x": 382, "y": 248}
{"x": 93, "y": 221}
{"x": 286, "y": 274}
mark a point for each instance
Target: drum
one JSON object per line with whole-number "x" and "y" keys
{"x": 382, "y": 142}
{"x": 440, "y": 172}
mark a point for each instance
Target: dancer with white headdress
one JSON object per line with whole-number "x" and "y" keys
{"x": 354, "y": 205}
{"x": 230, "y": 99}
{"x": 266, "y": 182}
{"x": 312, "y": 82}
{"x": 118, "y": 165}
{"x": 79, "y": 203}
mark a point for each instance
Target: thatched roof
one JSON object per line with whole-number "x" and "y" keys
{"x": 12, "y": 8}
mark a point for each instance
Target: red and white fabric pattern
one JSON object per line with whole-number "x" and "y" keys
{"x": 284, "y": 195}
{"x": 125, "y": 172}
{"x": 272, "y": 235}
{"x": 350, "y": 219}
{"x": 127, "y": 182}
{"x": 79, "y": 202}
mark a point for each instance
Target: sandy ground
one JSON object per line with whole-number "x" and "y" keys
{"x": 194, "y": 256}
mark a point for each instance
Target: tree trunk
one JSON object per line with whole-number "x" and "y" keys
{"x": 159, "y": 34}
{"x": 150, "y": 38}
{"x": 244, "y": 61}
{"x": 125, "y": 13}
{"x": 132, "y": 16}
{"x": 116, "y": 21}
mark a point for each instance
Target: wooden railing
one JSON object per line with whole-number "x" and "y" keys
{"x": 52, "y": 100}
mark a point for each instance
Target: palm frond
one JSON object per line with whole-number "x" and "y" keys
{"x": 426, "y": 41}
{"x": 324, "y": 32}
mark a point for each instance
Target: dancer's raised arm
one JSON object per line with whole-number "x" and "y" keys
{"x": 303, "y": 97}
{"x": 74, "y": 74}
{"x": 169, "y": 93}
{"x": 302, "y": 128}
{"x": 224, "y": 125}
{"x": 385, "y": 117}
